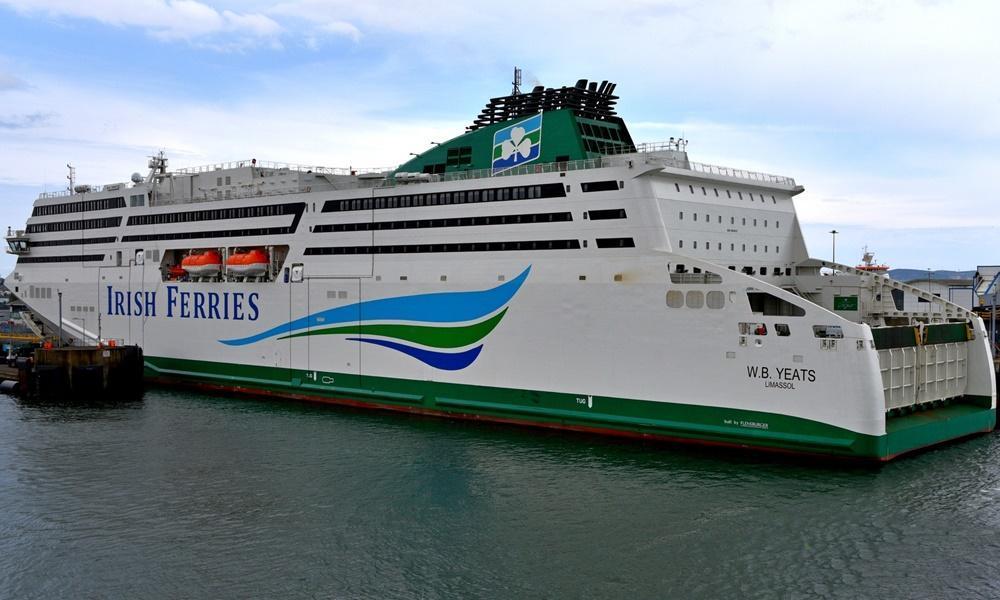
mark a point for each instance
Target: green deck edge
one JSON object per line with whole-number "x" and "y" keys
{"x": 610, "y": 415}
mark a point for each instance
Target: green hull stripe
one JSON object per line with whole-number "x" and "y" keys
{"x": 606, "y": 419}
{"x": 434, "y": 337}
{"x": 623, "y": 415}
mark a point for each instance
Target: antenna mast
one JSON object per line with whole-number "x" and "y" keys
{"x": 71, "y": 177}
{"x": 516, "y": 82}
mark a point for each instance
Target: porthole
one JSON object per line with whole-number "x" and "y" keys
{"x": 715, "y": 299}
{"x": 695, "y": 299}
{"x": 675, "y": 299}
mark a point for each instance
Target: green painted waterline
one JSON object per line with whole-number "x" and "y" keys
{"x": 610, "y": 414}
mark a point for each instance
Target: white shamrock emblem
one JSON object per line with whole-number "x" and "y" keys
{"x": 517, "y": 143}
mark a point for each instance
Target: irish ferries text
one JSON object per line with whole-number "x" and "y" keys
{"x": 225, "y": 306}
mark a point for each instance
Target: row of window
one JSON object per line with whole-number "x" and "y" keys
{"x": 732, "y": 220}
{"x": 681, "y": 275}
{"x": 75, "y": 225}
{"x": 245, "y": 212}
{"x": 452, "y": 222}
{"x": 59, "y": 259}
{"x": 547, "y": 190}
{"x": 100, "y": 240}
{"x": 732, "y": 246}
{"x": 78, "y": 206}
{"x": 600, "y": 131}
{"x": 470, "y": 247}
{"x": 729, "y": 193}
{"x": 455, "y": 247}
{"x": 695, "y": 299}
{"x": 193, "y": 235}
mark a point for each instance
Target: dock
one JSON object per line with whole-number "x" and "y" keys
{"x": 81, "y": 372}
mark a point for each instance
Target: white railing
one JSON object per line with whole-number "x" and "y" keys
{"x": 278, "y": 166}
{"x": 666, "y": 154}
{"x": 93, "y": 189}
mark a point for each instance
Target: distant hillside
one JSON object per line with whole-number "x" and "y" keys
{"x": 914, "y": 274}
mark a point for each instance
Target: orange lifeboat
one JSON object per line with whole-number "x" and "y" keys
{"x": 202, "y": 264}
{"x": 252, "y": 263}
{"x": 176, "y": 271}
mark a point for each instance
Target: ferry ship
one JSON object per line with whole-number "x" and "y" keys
{"x": 540, "y": 269}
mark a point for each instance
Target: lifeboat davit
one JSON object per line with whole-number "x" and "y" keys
{"x": 251, "y": 263}
{"x": 202, "y": 264}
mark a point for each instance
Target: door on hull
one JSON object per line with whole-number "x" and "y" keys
{"x": 325, "y": 316}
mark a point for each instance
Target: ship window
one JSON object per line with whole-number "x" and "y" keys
{"x": 729, "y": 194}
{"x": 773, "y": 201}
{"x": 716, "y": 190}
{"x": 694, "y": 299}
{"x": 218, "y": 181}
{"x": 732, "y": 247}
{"x": 777, "y": 224}
{"x": 680, "y": 243}
{"x": 720, "y": 219}
{"x": 682, "y": 215}
{"x": 828, "y": 331}
{"x": 770, "y": 305}
{"x": 753, "y": 328}
{"x": 228, "y": 180}
{"x": 599, "y": 186}
{"x": 732, "y": 220}
{"x": 744, "y": 220}
{"x": 614, "y": 213}
{"x": 763, "y": 270}
{"x": 715, "y": 300}
{"x": 695, "y": 216}
{"x": 703, "y": 192}
{"x": 765, "y": 249}
{"x": 678, "y": 186}
{"x": 691, "y": 187}
{"x": 740, "y": 195}
{"x": 615, "y": 242}
{"x": 755, "y": 222}
{"x": 696, "y": 244}
{"x": 755, "y": 247}
{"x": 675, "y": 299}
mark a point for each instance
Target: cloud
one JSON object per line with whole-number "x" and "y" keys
{"x": 10, "y": 82}
{"x": 37, "y": 119}
{"x": 188, "y": 20}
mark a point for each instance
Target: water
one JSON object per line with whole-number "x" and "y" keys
{"x": 187, "y": 495}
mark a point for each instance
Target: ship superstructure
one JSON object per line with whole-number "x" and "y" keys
{"x": 541, "y": 268}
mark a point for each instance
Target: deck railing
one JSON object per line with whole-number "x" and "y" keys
{"x": 664, "y": 154}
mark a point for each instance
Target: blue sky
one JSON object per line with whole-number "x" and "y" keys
{"x": 887, "y": 112}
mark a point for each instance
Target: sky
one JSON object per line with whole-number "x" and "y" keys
{"x": 887, "y": 112}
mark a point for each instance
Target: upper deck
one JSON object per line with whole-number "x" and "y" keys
{"x": 252, "y": 178}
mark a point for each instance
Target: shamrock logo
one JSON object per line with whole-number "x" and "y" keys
{"x": 516, "y": 144}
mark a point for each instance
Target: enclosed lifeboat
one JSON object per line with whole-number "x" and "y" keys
{"x": 249, "y": 263}
{"x": 202, "y": 264}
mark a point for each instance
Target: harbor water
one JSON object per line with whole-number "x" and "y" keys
{"x": 188, "y": 495}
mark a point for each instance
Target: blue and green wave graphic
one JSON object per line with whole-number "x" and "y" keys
{"x": 442, "y": 329}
